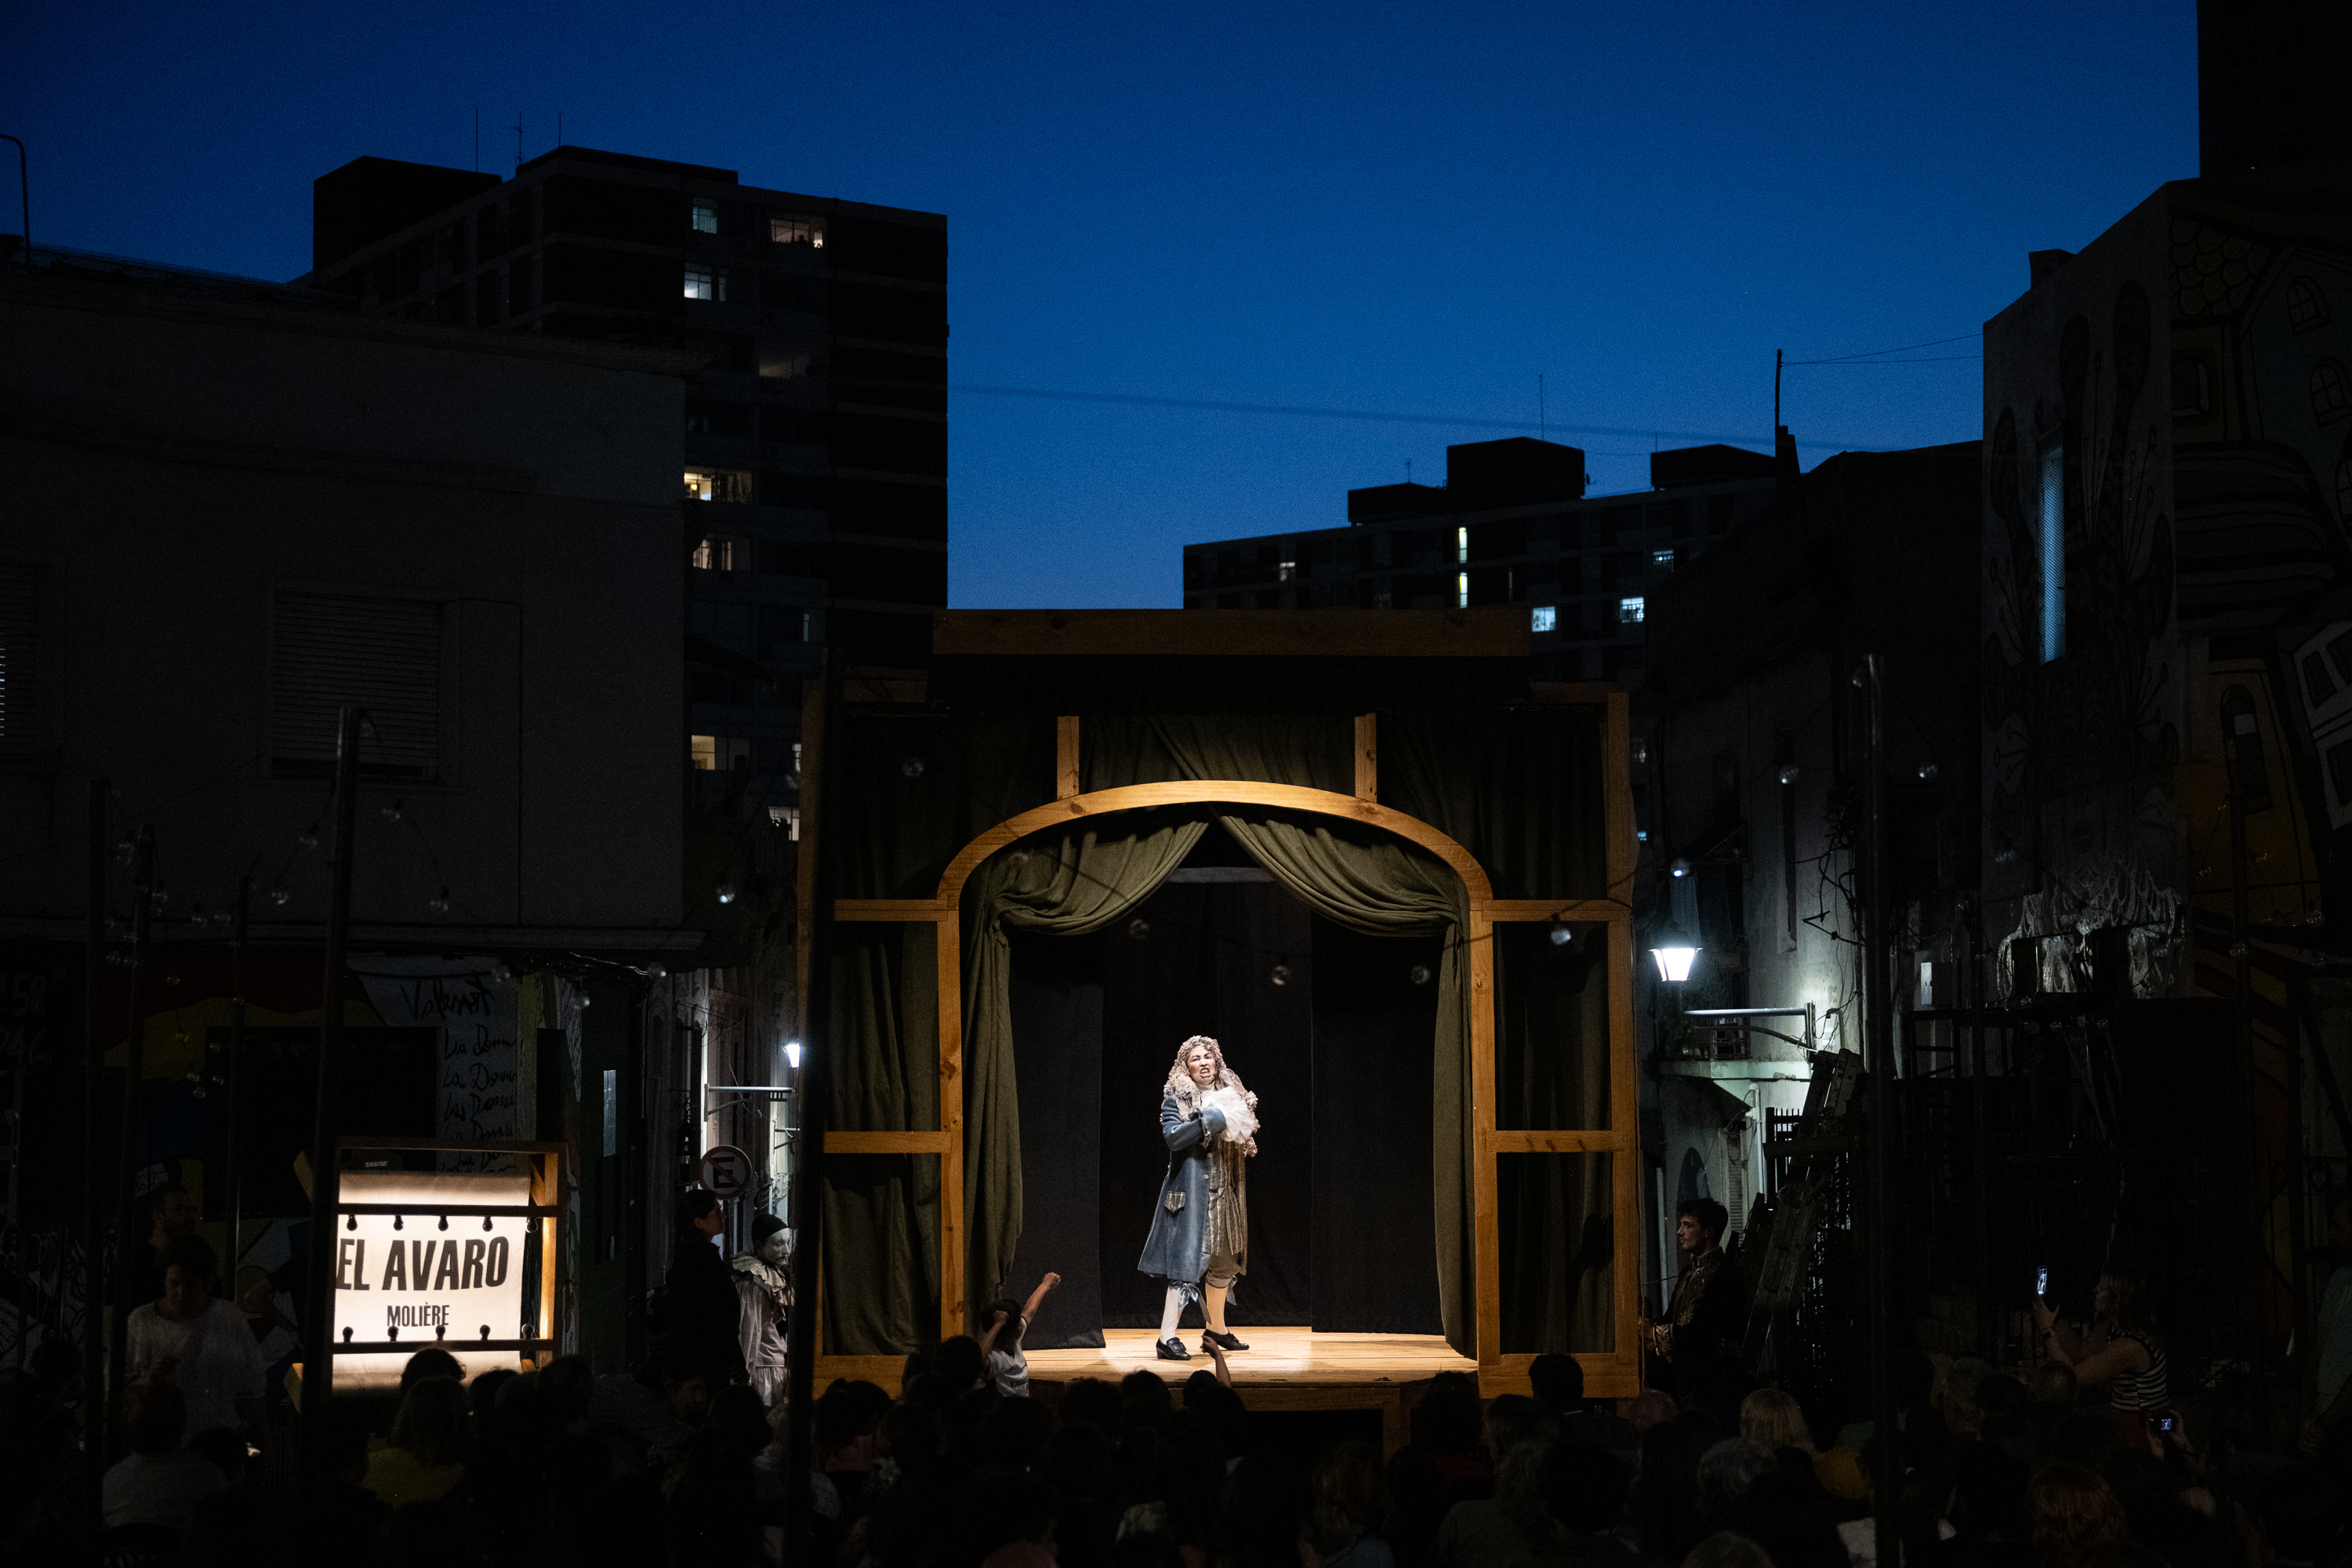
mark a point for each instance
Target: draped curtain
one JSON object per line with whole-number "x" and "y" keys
{"x": 1065, "y": 884}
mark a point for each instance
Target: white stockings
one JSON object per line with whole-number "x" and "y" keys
{"x": 1173, "y": 1307}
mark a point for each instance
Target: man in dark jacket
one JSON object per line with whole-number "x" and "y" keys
{"x": 703, "y": 1312}
{"x": 1700, "y": 1341}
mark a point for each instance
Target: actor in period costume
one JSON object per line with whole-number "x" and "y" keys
{"x": 764, "y": 1297}
{"x": 1697, "y": 1347}
{"x": 1200, "y": 1229}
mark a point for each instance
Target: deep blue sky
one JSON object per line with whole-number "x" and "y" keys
{"x": 1406, "y": 209}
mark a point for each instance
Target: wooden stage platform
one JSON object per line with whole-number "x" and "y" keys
{"x": 1283, "y": 1369}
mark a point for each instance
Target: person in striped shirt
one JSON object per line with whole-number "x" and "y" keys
{"x": 2120, "y": 1349}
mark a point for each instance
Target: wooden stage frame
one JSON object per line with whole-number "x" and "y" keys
{"x": 1612, "y": 1374}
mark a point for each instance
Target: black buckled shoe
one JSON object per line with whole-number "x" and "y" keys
{"x": 1173, "y": 1350}
{"x": 1224, "y": 1342}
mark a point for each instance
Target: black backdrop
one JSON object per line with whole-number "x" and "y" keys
{"x": 1341, "y": 1227}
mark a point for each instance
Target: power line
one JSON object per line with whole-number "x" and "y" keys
{"x": 1299, "y": 411}
{"x": 1901, "y": 349}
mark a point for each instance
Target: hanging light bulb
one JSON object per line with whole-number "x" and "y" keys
{"x": 278, "y": 894}
{"x": 1281, "y": 975}
{"x": 1418, "y": 974}
{"x": 1561, "y": 935}
{"x": 726, "y": 891}
{"x": 1138, "y": 928}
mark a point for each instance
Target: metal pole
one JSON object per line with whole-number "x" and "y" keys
{"x": 93, "y": 1167}
{"x": 127, "y": 1239}
{"x": 318, "y": 1310}
{"x": 814, "y": 1077}
{"x": 1887, "y": 1473}
{"x": 235, "y": 1064}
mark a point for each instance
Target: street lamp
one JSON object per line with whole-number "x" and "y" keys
{"x": 1673, "y": 952}
{"x": 793, "y": 1054}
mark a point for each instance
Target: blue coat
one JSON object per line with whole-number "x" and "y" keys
{"x": 1178, "y": 1247}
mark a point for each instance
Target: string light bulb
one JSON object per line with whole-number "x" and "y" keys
{"x": 278, "y": 894}
{"x": 308, "y": 837}
{"x": 726, "y": 891}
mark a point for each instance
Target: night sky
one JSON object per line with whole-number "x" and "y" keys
{"x": 1399, "y": 210}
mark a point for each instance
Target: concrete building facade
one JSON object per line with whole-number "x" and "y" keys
{"x": 815, "y": 424}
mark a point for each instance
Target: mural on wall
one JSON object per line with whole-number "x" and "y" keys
{"x": 2081, "y": 746}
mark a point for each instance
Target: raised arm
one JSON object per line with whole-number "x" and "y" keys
{"x": 1037, "y": 1296}
{"x": 1183, "y": 1132}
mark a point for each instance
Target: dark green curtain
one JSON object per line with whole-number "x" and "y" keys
{"x": 882, "y": 1211}
{"x": 1520, "y": 787}
{"x": 1065, "y": 883}
{"x": 1554, "y": 1212}
{"x": 921, "y": 785}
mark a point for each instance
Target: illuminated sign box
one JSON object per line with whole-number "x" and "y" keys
{"x": 447, "y": 1259}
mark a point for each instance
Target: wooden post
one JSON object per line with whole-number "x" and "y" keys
{"x": 1067, "y": 780}
{"x": 1367, "y": 756}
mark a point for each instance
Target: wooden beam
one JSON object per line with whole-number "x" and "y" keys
{"x": 1486, "y": 1283}
{"x": 1607, "y": 1374}
{"x": 1066, "y": 783}
{"x": 1514, "y": 1140}
{"x": 1489, "y": 631}
{"x": 890, "y": 910}
{"x": 1588, "y": 911}
{"x": 949, "y": 1010}
{"x": 1367, "y": 756}
{"x": 839, "y": 1143}
{"x": 1238, "y": 792}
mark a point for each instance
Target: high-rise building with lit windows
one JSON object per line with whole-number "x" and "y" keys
{"x": 816, "y": 442}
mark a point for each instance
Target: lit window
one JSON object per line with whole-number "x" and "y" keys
{"x": 812, "y": 631}
{"x": 717, "y": 484}
{"x": 2053, "y": 553}
{"x": 1545, "y": 618}
{"x": 2306, "y": 307}
{"x": 1462, "y": 590}
{"x": 1461, "y": 545}
{"x": 2331, "y": 395}
{"x": 720, "y": 753}
{"x": 718, "y": 553}
{"x": 783, "y": 364}
{"x": 706, "y": 751}
{"x": 787, "y": 817}
{"x": 1286, "y": 571}
{"x": 1663, "y": 559}
{"x": 1628, "y": 611}
{"x": 702, "y": 283}
{"x": 706, "y": 218}
{"x": 805, "y": 231}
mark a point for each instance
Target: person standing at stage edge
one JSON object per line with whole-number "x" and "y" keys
{"x": 1699, "y": 1343}
{"x": 1200, "y": 1229}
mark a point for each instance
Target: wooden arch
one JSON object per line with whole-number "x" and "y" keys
{"x": 1612, "y": 1374}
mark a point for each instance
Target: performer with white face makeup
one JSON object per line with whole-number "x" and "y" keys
{"x": 1200, "y": 1229}
{"x": 763, "y": 1291}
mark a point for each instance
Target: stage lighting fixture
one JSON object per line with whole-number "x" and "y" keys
{"x": 1281, "y": 975}
{"x": 1419, "y": 975}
